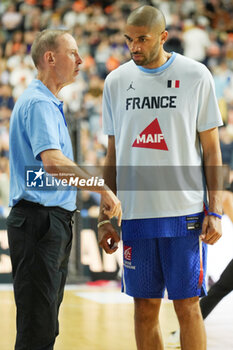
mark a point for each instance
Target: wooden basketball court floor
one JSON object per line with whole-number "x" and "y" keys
{"x": 101, "y": 318}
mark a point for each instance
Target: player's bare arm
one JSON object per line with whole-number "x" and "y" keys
{"x": 212, "y": 228}
{"x": 107, "y": 235}
{"x": 55, "y": 162}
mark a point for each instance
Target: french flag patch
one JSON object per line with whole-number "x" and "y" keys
{"x": 173, "y": 83}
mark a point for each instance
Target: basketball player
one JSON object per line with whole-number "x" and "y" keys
{"x": 39, "y": 224}
{"x": 160, "y": 110}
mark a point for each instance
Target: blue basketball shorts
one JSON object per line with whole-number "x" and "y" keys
{"x": 176, "y": 263}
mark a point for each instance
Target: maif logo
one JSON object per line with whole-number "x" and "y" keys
{"x": 127, "y": 253}
{"x": 151, "y": 137}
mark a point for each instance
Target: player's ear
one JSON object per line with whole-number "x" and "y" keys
{"x": 164, "y": 36}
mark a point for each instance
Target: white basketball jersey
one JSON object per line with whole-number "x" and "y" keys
{"x": 155, "y": 116}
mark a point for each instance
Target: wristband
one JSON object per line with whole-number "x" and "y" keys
{"x": 215, "y": 214}
{"x": 101, "y": 223}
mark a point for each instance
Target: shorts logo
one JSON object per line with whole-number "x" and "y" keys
{"x": 151, "y": 137}
{"x": 193, "y": 225}
{"x": 192, "y": 218}
{"x": 127, "y": 253}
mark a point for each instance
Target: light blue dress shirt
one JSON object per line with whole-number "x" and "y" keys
{"x": 38, "y": 124}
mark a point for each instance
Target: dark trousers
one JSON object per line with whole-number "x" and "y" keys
{"x": 218, "y": 291}
{"x": 40, "y": 243}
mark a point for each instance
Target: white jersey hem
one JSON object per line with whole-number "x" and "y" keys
{"x": 192, "y": 210}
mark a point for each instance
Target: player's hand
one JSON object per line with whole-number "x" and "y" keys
{"x": 211, "y": 229}
{"x": 108, "y": 238}
{"x": 111, "y": 206}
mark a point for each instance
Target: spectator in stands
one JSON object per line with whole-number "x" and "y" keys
{"x": 11, "y": 20}
{"x": 196, "y": 39}
{"x": 6, "y": 98}
{"x": 4, "y": 186}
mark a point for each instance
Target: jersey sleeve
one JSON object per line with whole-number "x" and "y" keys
{"x": 42, "y": 127}
{"x": 208, "y": 111}
{"x": 108, "y": 126}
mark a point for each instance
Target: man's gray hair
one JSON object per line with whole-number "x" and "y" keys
{"x": 45, "y": 41}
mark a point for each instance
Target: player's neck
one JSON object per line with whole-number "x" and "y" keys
{"x": 159, "y": 61}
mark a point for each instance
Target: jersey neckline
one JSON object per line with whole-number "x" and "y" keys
{"x": 161, "y": 68}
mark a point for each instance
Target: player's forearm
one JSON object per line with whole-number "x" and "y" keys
{"x": 214, "y": 179}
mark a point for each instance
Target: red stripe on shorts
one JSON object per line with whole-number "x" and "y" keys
{"x": 201, "y": 274}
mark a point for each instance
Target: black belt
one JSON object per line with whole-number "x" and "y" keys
{"x": 28, "y": 204}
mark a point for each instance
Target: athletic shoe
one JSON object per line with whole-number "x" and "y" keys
{"x": 173, "y": 341}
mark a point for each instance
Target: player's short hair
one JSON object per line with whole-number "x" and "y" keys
{"x": 45, "y": 41}
{"x": 147, "y": 16}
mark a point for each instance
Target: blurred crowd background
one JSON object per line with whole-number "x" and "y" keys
{"x": 200, "y": 29}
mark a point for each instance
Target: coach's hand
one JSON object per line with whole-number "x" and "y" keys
{"x": 211, "y": 229}
{"x": 108, "y": 238}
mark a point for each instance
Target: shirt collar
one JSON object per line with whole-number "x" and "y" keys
{"x": 159, "y": 69}
{"x": 38, "y": 83}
